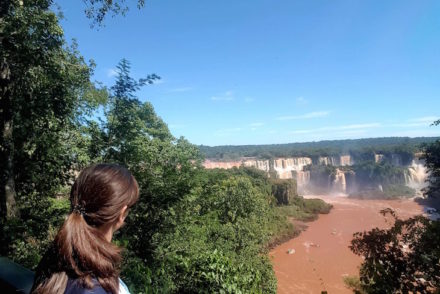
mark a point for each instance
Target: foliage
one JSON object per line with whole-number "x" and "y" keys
{"x": 353, "y": 283}
{"x": 222, "y": 229}
{"x": 432, "y": 163}
{"x": 359, "y": 149}
{"x": 389, "y": 192}
{"x": 284, "y": 190}
{"x": 97, "y": 9}
{"x": 372, "y": 174}
{"x": 46, "y": 95}
{"x": 404, "y": 258}
{"x": 304, "y": 209}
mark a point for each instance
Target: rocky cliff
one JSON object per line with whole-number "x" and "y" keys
{"x": 336, "y": 174}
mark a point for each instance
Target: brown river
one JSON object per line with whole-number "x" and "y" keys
{"x": 321, "y": 255}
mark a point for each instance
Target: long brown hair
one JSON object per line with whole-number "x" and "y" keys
{"x": 80, "y": 251}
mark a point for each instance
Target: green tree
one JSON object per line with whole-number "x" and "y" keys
{"x": 132, "y": 134}
{"x": 219, "y": 242}
{"x": 406, "y": 257}
{"x": 45, "y": 97}
{"x": 45, "y": 88}
{"x": 402, "y": 259}
{"x": 432, "y": 163}
{"x": 96, "y": 10}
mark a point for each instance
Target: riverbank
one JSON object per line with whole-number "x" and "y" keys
{"x": 319, "y": 257}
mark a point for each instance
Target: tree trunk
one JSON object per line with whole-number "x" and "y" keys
{"x": 9, "y": 179}
{"x": 8, "y": 207}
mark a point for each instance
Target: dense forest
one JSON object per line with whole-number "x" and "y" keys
{"x": 193, "y": 230}
{"x": 359, "y": 149}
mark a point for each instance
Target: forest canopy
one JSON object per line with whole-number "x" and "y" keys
{"x": 358, "y": 148}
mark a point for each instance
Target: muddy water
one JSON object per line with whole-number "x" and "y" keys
{"x": 321, "y": 255}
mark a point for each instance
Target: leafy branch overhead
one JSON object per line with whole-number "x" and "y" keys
{"x": 97, "y": 10}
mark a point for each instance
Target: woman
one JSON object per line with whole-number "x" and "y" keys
{"x": 82, "y": 258}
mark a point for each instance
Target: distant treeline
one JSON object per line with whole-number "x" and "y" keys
{"x": 361, "y": 149}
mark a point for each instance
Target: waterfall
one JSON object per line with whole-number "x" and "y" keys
{"x": 339, "y": 183}
{"x": 378, "y": 158}
{"x": 328, "y": 160}
{"x": 342, "y": 160}
{"x": 345, "y": 160}
{"x": 303, "y": 178}
{"x": 302, "y": 181}
{"x": 416, "y": 175}
{"x": 220, "y": 164}
{"x": 285, "y": 166}
{"x": 258, "y": 164}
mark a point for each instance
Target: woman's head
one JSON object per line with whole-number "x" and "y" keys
{"x": 100, "y": 198}
{"x": 102, "y": 194}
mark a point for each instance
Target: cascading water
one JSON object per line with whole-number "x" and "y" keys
{"x": 378, "y": 158}
{"x": 344, "y": 180}
{"x": 345, "y": 160}
{"x": 285, "y": 166}
{"x": 339, "y": 184}
{"x": 416, "y": 175}
{"x": 302, "y": 180}
{"x": 342, "y": 160}
{"x": 263, "y": 165}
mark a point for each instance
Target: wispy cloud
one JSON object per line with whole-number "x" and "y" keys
{"x": 158, "y": 82}
{"x": 359, "y": 126}
{"x": 179, "y": 90}
{"x": 345, "y": 128}
{"x": 227, "y": 96}
{"x": 425, "y": 119}
{"x": 301, "y": 101}
{"x": 112, "y": 72}
{"x": 415, "y": 122}
{"x": 315, "y": 114}
{"x": 249, "y": 99}
{"x": 256, "y": 124}
{"x": 410, "y": 125}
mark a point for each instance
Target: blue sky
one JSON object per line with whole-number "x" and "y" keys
{"x": 262, "y": 72}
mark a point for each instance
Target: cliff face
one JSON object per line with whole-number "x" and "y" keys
{"x": 339, "y": 178}
{"x": 343, "y": 160}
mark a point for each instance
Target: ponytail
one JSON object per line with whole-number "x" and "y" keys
{"x": 83, "y": 250}
{"x": 80, "y": 250}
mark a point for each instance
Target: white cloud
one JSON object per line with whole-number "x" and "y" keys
{"x": 158, "y": 82}
{"x": 410, "y": 125}
{"x": 359, "y": 126}
{"x": 301, "y": 100}
{"x": 182, "y": 89}
{"x": 256, "y": 124}
{"x": 227, "y": 96}
{"x": 417, "y": 133}
{"x": 345, "y": 128}
{"x": 249, "y": 99}
{"x": 425, "y": 119}
{"x": 309, "y": 115}
{"x": 112, "y": 72}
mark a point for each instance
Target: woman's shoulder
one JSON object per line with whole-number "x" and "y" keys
{"x": 75, "y": 287}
